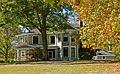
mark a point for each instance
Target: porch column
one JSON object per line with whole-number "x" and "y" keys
{"x": 77, "y": 48}
{"x": 61, "y": 48}
{"x": 70, "y": 47}
{"x": 15, "y": 55}
{"x": 18, "y": 55}
{"x": 56, "y": 54}
{"x": 75, "y": 52}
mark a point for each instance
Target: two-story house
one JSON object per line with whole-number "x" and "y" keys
{"x": 61, "y": 45}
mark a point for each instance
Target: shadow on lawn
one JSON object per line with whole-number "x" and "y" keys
{"x": 62, "y": 62}
{"x": 68, "y": 62}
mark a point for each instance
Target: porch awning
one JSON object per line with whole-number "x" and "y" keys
{"x": 19, "y": 47}
{"x": 26, "y": 46}
{"x": 52, "y": 47}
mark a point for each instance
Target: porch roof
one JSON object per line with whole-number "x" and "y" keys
{"x": 25, "y": 46}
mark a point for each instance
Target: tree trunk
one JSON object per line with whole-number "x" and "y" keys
{"x": 44, "y": 37}
{"x": 6, "y": 56}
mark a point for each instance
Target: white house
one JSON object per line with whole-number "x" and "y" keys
{"x": 61, "y": 45}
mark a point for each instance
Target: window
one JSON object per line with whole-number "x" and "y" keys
{"x": 65, "y": 51}
{"x": 51, "y": 54}
{"x": 65, "y": 39}
{"x": 58, "y": 39}
{"x": 103, "y": 57}
{"x": 25, "y": 39}
{"x": 73, "y": 52}
{"x": 73, "y": 40}
{"x": 58, "y": 52}
{"x": 52, "y": 39}
{"x": 21, "y": 40}
{"x": 23, "y": 53}
{"x": 35, "y": 39}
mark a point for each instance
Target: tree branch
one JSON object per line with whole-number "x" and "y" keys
{"x": 2, "y": 51}
{"x": 34, "y": 25}
{"x": 2, "y": 45}
{"x": 2, "y": 25}
{"x": 39, "y": 19}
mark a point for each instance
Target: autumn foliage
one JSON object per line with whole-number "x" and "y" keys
{"x": 103, "y": 21}
{"x": 102, "y": 18}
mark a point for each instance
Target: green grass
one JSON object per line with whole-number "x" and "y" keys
{"x": 61, "y": 68}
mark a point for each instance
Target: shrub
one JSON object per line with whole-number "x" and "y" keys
{"x": 116, "y": 51}
{"x": 86, "y": 53}
{"x": 2, "y": 60}
{"x": 10, "y": 60}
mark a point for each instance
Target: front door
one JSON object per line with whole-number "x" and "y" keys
{"x": 51, "y": 55}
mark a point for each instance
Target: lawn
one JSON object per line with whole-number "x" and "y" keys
{"x": 61, "y": 68}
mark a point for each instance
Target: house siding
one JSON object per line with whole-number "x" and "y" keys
{"x": 30, "y": 39}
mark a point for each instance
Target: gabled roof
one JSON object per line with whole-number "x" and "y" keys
{"x": 104, "y": 53}
{"x": 74, "y": 26}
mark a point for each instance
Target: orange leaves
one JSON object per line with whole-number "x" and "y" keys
{"x": 100, "y": 33}
{"x": 104, "y": 11}
{"x": 102, "y": 17}
{"x": 76, "y": 2}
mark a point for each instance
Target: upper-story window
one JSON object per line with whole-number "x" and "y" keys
{"x": 65, "y": 39}
{"x": 21, "y": 39}
{"x": 72, "y": 39}
{"x": 25, "y": 39}
{"x": 35, "y": 39}
{"x": 59, "y": 39}
{"x": 52, "y": 38}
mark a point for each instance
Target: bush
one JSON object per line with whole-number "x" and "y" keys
{"x": 10, "y": 60}
{"x": 86, "y": 53}
{"x": 86, "y": 56}
{"x": 2, "y": 60}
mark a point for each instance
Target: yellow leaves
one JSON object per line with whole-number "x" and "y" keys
{"x": 76, "y": 2}
{"x": 50, "y": 1}
{"x": 60, "y": 2}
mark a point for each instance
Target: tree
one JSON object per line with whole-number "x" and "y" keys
{"x": 102, "y": 17}
{"x": 8, "y": 30}
{"x": 6, "y": 36}
{"x": 40, "y": 15}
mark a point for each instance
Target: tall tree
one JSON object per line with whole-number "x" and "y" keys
{"x": 40, "y": 15}
{"x": 102, "y": 17}
{"x": 8, "y": 30}
{"x": 103, "y": 21}
{"x": 7, "y": 34}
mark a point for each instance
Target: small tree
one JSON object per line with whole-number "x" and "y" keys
{"x": 6, "y": 37}
{"x": 7, "y": 32}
